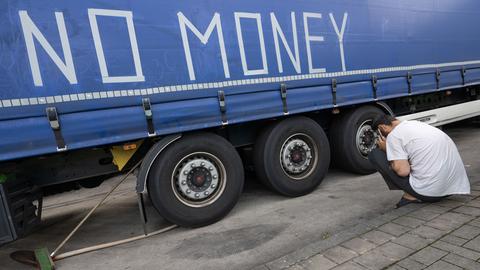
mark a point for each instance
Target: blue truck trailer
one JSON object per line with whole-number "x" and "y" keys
{"x": 198, "y": 90}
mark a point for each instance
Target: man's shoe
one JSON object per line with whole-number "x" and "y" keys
{"x": 404, "y": 202}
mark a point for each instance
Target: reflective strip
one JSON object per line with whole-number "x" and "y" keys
{"x": 216, "y": 85}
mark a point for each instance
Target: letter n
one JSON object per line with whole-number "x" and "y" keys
{"x": 30, "y": 30}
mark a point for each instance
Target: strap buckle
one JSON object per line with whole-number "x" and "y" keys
{"x": 54, "y": 121}
{"x": 223, "y": 106}
{"x": 147, "y": 108}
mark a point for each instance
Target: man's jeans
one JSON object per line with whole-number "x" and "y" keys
{"x": 395, "y": 182}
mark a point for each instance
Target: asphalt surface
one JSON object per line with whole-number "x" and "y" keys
{"x": 262, "y": 227}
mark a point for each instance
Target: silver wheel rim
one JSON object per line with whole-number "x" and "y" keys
{"x": 199, "y": 179}
{"x": 299, "y": 156}
{"x": 366, "y": 138}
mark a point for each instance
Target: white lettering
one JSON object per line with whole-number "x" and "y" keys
{"x": 258, "y": 18}
{"x": 30, "y": 30}
{"x": 215, "y": 22}
{"x": 310, "y": 39}
{"x": 92, "y": 16}
{"x": 340, "y": 35}
{"x": 277, "y": 31}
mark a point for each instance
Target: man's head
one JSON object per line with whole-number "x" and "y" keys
{"x": 384, "y": 123}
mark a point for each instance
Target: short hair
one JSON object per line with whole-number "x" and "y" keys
{"x": 382, "y": 119}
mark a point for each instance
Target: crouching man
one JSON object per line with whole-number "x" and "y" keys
{"x": 419, "y": 159}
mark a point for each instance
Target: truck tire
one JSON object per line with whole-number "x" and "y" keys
{"x": 352, "y": 138}
{"x": 197, "y": 180}
{"x": 292, "y": 156}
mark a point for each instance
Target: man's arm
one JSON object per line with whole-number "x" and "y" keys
{"x": 401, "y": 167}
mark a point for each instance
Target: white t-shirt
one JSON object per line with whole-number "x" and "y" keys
{"x": 436, "y": 168}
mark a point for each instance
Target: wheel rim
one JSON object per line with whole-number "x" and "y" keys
{"x": 299, "y": 156}
{"x": 199, "y": 179}
{"x": 366, "y": 138}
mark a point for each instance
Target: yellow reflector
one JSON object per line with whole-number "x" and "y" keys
{"x": 131, "y": 146}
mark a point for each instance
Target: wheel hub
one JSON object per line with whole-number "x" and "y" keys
{"x": 296, "y": 156}
{"x": 197, "y": 179}
{"x": 366, "y": 138}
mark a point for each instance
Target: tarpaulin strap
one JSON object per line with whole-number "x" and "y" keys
{"x": 283, "y": 95}
{"x": 464, "y": 72}
{"x": 437, "y": 78}
{"x": 409, "y": 81}
{"x": 223, "y": 106}
{"x": 52, "y": 116}
{"x": 147, "y": 108}
{"x": 374, "y": 86}
{"x": 334, "y": 92}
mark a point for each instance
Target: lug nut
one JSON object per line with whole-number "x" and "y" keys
{"x": 210, "y": 168}
{"x": 197, "y": 195}
{"x": 188, "y": 191}
{"x": 202, "y": 164}
{"x": 185, "y": 172}
{"x": 214, "y": 176}
{"x": 193, "y": 165}
{"x": 206, "y": 193}
{"x": 184, "y": 183}
{"x": 213, "y": 186}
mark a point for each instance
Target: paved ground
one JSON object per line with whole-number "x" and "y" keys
{"x": 444, "y": 235}
{"x": 349, "y": 221}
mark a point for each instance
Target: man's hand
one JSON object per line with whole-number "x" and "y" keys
{"x": 381, "y": 143}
